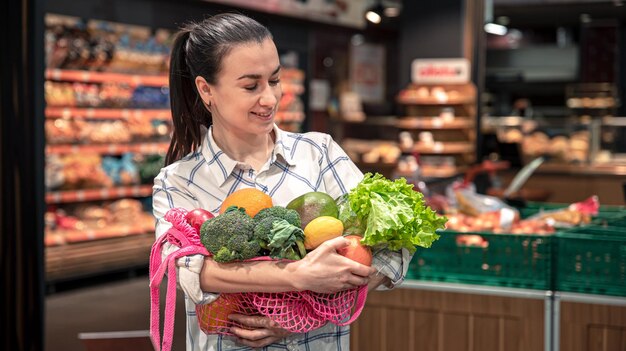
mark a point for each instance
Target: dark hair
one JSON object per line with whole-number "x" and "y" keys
{"x": 198, "y": 50}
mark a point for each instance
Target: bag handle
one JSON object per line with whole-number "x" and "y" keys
{"x": 157, "y": 272}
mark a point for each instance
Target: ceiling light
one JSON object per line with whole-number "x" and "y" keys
{"x": 374, "y": 14}
{"x": 496, "y": 29}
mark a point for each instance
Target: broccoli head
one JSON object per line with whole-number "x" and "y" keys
{"x": 289, "y": 215}
{"x": 280, "y": 238}
{"x": 229, "y": 236}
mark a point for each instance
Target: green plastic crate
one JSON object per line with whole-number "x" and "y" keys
{"x": 605, "y": 212}
{"x": 591, "y": 260}
{"x": 511, "y": 260}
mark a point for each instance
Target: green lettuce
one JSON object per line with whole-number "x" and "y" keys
{"x": 389, "y": 214}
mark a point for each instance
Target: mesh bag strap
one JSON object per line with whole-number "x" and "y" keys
{"x": 157, "y": 272}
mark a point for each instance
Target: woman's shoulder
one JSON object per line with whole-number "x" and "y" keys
{"x": 182, "y": 167}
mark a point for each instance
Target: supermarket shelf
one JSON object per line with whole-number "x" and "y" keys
{"x": 435, "y": 102}
{"x": 54, "y": 238}
{"x": 57, "y": 197}
{"x": 97, "y": 256}
{"x": 104, "y": 77}
{"x": 108, "y": 149}
{"x": 445, "y": 148}
{"x": 107, "y": 113}
{"x": 429, "y": 123}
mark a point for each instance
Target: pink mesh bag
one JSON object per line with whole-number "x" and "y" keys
{"x": 298, "y": 312}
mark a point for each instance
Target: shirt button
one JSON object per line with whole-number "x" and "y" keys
{"x": 292, "y": 347}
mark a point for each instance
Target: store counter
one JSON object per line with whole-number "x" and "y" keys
{"x": 425, "y": 315}
{"x": 571, "y": 183}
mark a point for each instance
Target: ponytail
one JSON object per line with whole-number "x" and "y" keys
{"x": 198, "y": 51}
{"x": 188, "y": 112}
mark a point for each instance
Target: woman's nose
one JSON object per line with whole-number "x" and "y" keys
{"x": 269, "y": 96}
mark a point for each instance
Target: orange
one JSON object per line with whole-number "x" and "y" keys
{"x": 321, "y": 229}
{"x": 253, "y": 200}
{"x": 213, "y": 317}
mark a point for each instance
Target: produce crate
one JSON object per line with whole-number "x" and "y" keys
{"x": 604, "y": 212}
{"x": 592, "y": 259}
{"x": 511, "y": 260}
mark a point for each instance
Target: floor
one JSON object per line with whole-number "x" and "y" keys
{"x": 103, "y": 306}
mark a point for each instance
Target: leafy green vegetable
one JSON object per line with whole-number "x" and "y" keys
{"x": 286, "y": 241}
{"x": 389, "y": 213}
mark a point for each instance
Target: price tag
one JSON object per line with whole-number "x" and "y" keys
{"x": 438, "y": 147}
{"x": 80, "y": 195}
{"x": 90, "y": 113}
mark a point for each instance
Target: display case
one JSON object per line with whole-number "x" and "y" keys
{"x": 433, "y": 138}
{"x": 600, "y": 141}
{"x": 592, "y": 100}
{"x": 441, "y": 118}
{"x": 107, "y": 127}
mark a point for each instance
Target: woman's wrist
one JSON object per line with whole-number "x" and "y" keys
{"x": 295, "y": 276}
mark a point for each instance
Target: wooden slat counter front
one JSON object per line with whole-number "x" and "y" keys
{"x": 573, "y": 183}
{"x": 428, "y": 316}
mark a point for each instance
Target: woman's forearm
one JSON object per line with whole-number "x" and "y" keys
{"x": 260, "y": 276}
{"x": 321, "y": 270}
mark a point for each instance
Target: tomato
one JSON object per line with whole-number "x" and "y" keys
{"x": 356, "y": 251}
{"x": 196, "y": 217}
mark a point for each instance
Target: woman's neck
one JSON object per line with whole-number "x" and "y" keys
{"x": 254, "y": 150}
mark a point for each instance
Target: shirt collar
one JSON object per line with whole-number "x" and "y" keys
{"x": 222, "y": 166}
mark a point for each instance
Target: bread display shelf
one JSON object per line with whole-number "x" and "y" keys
{"x": 427, "y": 123}
{"x": 445, "y": 148}
{"x": 417, "y": 123}
{"x": 435, "y": 102}
{"x": 108, "y": 149}
{"x": 102, "y": 77}
{"x": 71, "y": 196}
{"x": 97, "y": 256}
{"x": 107, "y": 113}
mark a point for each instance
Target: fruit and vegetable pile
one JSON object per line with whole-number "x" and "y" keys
{"x": 378, "y": 213}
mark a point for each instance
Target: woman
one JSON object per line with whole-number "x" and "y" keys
{"x": 225, "y": 89}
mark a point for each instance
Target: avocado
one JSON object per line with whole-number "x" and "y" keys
{"x": 312, "y": 205}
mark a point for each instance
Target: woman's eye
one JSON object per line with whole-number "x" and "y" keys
{"x": 250, "y": 87}
{"x": 274, "y": 82}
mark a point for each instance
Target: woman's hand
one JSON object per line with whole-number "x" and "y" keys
{"x": 323, "y": 270}
{"x": 263, "y": 331}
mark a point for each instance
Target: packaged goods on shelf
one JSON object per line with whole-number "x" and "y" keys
{"x": 74, "y": 43}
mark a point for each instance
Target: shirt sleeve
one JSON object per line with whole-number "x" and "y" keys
{"x": 169, "y": 192}
{"x": 340, "y": 176}
{"x": 339, "y": 173}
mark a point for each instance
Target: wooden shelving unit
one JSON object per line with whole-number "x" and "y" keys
{"x": 107, "y": 149}
{"x": 90, "y": 248}
{"x": 107, "y": 113}
{"x": 104, "y": 77}
{"x": 69, "y": 196}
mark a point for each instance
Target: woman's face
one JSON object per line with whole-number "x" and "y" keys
{"x": 245, "y": 97}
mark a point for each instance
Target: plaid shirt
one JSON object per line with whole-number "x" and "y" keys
{"x": 300, "y": 163}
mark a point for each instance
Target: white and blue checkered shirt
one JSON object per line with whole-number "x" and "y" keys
{"x": 300, "y": 163}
